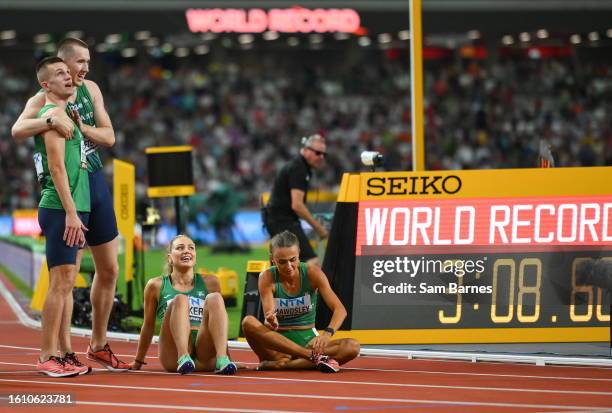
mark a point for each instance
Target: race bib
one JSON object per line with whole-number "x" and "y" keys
{"x": 38, "y": 165}
{"x": 196, "y": 310}
{"x": 288, "y": 308}
{"x": 83, "y": 155}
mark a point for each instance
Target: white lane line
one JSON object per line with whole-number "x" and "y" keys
{"x": 368, "y": 383}
{"x": 452, "y": 373}
{"x": 307, "y": 396}
{"x": 183, "y": 407}
{"x": 424, "y": 358}
{"x": 518, "y": 376}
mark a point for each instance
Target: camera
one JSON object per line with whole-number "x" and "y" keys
{"x": 371, "y": 158}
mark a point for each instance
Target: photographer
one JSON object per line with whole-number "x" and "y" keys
{"x": 287, "y": 202}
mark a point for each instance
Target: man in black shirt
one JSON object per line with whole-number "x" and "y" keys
{"x": 287, "y": 202}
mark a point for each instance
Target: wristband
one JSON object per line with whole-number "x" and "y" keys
{"x": 50, "y": 121}
{"x": 329, "y": 330}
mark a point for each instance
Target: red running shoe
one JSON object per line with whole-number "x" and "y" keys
{"x": 106, "y": 358}
{"x": 325, "y": 364}
{"x": 55, "y": 367}
{"x": 71, "y": 358}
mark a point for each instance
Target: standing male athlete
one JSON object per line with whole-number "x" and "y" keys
{"x": 86, "y": 106}
{"x": 61, "y": 168}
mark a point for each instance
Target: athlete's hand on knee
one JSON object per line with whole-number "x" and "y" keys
{"x": 271, "y": 320}
{"x": 319, "y": 343}
{"x": 63, "y": 125}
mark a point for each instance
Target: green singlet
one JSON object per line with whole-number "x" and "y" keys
{"x": 196, "y": 299}
{"x": 84, "y": 104}
{"x": 76, "y": 168}
{"x": 298, "y": 309}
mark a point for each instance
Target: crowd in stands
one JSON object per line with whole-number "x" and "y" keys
{"x": 245, "y": 112}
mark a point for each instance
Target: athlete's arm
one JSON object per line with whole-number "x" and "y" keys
{"x": 319, "y": 281}
{"x": 73, "y": 231}
{"x": 27, "y": 124}
{"x": 151, "y": 294}
{"x": 103, "y": 133}
{"x": 298, "y": 206}
{"x": 265, "y": 286}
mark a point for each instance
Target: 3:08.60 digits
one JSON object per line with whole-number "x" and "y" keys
{"x": 530, "y": 313}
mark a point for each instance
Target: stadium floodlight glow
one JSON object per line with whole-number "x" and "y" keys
{"x": 101, "y": 48}
{"x": 113, "y": 38}
{"x": 201, "y": 49}
{"x": 609, "y": 33}
{"x": 384, "y": 38}
{"x": 77, "y": 34}
{"x": 575, "y": 39}
{"x": 167, "y": 48}
{"x": 142, "y": 35}
{"x": 42, "y": 38}
{"x": 291, "y": 20}
{"x": 50, "y": 48}
{"x": 593, "y": 36}
{"x": 8, "y": 34}
{"x": 151, "y": 42}
{"x": 128, "y": 52}
{"x": 316, "y": 39}
{"x": 293, "y": 41}
{"x": 270, "y": 35}
{"x": 246, "y": 39}
{"x": 341, "y": 36}
{"x": 507, "y": 40}
{"x": 181, "y": 52}
{"x": 403, "y": 35}
{"x": 524, "y": 37}
{"x": 542, "y": 34}
{"x": 209, "y": 36}
{"x": 473, "y": 35}
{"x": 364, "y": 41}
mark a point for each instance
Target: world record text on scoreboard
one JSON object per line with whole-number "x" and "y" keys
{"x": 484, "y": 250}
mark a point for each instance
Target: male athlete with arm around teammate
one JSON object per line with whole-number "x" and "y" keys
{"x": 96, "y": 126}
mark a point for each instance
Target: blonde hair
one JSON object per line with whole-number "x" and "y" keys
{"x": 167, "y": 269}
{"x": 66, "y": 46}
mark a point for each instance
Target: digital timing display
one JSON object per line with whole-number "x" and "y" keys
{"x": 483, "y": 249}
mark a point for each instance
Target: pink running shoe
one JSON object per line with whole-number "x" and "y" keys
{"x": 71, "y": 358}
{"x": 107, "y": 359}
{"x": 325, "y": 364}
{"x": 55, "y": 367}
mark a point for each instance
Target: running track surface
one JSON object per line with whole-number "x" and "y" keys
{"x": 368, "y": 384}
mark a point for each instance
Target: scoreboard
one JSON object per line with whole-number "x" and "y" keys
{"x": 478, "y": 256}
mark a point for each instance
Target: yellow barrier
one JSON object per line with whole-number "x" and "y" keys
{"x": 228, "y": 280}
{"x": 42, "y": 286}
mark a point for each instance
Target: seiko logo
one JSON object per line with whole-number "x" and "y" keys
{"x": 414, "y": 185}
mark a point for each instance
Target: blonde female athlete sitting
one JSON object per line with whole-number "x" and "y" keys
{"x": 191, "y": 310}
{"x": 289, "y": 291}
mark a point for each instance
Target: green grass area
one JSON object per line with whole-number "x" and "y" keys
{"x": 16, "y": 281}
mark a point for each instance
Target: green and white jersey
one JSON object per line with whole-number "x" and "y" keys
{"x": 295, "y": 309}
{"x": 84, "y": 105}
{"x": 196, "y": 296}
{"x": 75, "y": 160}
